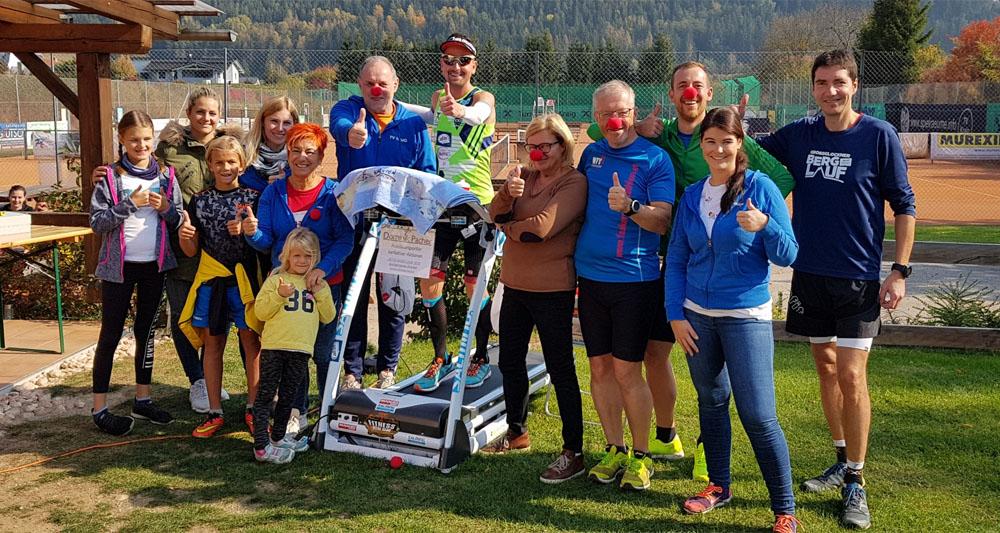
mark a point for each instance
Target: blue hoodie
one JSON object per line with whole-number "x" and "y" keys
{"x": 251, "y": 178}
{"x": 325, "y": 219}
{"x": 405, "y": 141}
{"x": 729, "y": 270}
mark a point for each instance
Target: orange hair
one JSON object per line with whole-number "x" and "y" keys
{"x": 307, "y": 131}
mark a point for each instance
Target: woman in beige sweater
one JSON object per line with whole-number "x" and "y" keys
{"x": 541, "y": 211}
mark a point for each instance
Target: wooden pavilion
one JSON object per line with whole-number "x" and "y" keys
{"x": 29, "y": 27}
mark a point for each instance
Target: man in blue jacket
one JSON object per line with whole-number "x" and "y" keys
{"x": 370, "y": 130}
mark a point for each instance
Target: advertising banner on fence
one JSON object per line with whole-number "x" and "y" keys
{"x": 12, "y": 135}
{"x": 929, "y": 118}
{"x": 965, "y": 146}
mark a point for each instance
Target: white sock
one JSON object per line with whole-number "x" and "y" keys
{"x": 840, "y": 443}
{"x": 851, "y": 465}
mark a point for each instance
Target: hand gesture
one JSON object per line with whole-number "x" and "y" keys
{"x": 315, "y": 277}
{"x": 186, "y": 231}
{"x": 158, "y": 202}
{"x": 358, "y": 135}
{"x": 741, "y": 108}
{"x": 234, "y": 226}
{"x": 318, "y": 283}
{"x": 685, "y": 335}
{"x": 652, "y": 125}
{"x": 140, "y": 197}
{"x": 249, "y": 222}
{"x": 450, "y": 106}
{"x": 893, "y": 290}
{"x": 285, "y": 289}
{"x": 751, "y": 219}
{"x": 617, "y": 200}
{"x": 515, "y": 185}
{"x": 99, "y": 173}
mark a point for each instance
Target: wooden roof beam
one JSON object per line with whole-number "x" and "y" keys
{"x": 21, "y": 12}
{"x": 51, "y": 82}
{"x": 76, "y": 38}
{"x": 139, "y": 12}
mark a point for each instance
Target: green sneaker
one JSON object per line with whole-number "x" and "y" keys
{"x": 670, "y": 451}
{"x": 700, "y": 471}
{"x": 637, "y": 473}
{"x": 610, "y": 466}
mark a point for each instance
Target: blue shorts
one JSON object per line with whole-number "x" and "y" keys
{"x": 202, "y": 302}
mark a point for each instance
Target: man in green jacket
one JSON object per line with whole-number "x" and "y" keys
{"x": 690, "y": 92}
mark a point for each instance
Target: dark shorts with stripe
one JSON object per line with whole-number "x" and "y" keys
{"x": 824, "y": 306}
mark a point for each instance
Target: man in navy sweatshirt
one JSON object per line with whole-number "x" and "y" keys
{"x": 846, "y": 166}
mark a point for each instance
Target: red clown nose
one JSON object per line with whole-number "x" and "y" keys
{"x": 690, "y": 93}
{"x": 615, "y": 123}
{"x": 377, "y": 91}
{"x": 536, "y": 155}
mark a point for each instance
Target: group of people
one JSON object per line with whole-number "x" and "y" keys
{"x": 662, "y": 233}
{"x": 17, "y": 200}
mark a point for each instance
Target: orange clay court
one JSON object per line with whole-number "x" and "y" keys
{"x": 948, "y": 192}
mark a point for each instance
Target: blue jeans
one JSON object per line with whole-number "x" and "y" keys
{"x": 736, "y": 358}
{"x": 322, "y": 354}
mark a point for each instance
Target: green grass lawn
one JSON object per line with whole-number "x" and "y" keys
{"x": 969, "y": 234}
{"x": 933, "y": 466}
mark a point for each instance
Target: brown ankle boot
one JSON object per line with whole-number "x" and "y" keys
{"x": 510, "y": 442}
{"x": 567, "y": 466}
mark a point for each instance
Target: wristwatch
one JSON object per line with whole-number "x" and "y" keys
{"x": 905, "y": 270}
{"x": 633, "y": 208}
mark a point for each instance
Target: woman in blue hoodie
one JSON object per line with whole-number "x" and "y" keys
{"x": 729, "y": 226}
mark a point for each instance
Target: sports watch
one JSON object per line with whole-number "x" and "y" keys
{"x": 633, "y": 208}
{"x": 904, "y": 270}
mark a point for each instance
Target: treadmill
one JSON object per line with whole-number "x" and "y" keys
{"x": 442, "y": 428}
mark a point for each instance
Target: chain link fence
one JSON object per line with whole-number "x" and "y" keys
{"x": 951, "y": 131}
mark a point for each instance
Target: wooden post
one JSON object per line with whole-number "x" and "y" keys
{"x": 96, "y": 130}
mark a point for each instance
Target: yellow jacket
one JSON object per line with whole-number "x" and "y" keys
{"x": 291, "y": 323}
{"x": 208, "y": 269}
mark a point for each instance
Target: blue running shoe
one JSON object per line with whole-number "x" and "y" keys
{"x": 433, "y": 376}
{"x": 478, "y": 373}
{"x": 856, "y": 513}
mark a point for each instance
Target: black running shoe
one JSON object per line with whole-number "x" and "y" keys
{"x": 113, "y": 424}
{"x": 149, "y": 411}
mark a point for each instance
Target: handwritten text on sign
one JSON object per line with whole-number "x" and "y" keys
{"x": 403, "y": 251}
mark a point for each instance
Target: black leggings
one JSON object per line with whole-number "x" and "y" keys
{"x": 552, "y": 313}
{"x": 279, "y": 369}
{"x": 116, "y": 301}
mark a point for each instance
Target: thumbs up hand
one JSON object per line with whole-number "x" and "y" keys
{"x": 515, "y": 185}
{"x": 751, "y": 219}
{"x": 186, "y": 231}
{"x": 234, "y": 226}
{"x": 358, "y": 134}
{"x": 249, "y": 222}
{"x": 285, "y": 289}
{"x": 617, "y": 199}
{"x": 652, "y": 125}
{"x": 450, "y": 106}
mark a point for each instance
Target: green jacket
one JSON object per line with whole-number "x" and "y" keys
{"x": 690, "y": 165}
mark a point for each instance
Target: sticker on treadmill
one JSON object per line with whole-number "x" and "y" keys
{"x": 413, "y": 439}
{"x": 469, "y": 231}
{"x": 386, "y": 405}
{"x": 381, "y": 425}
{"x": 347, "y": 427}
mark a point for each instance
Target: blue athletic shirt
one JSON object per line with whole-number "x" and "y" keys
{"x": 611, "y": 246}
{"x": 842, "y": 181}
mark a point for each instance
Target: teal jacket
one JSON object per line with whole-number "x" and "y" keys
{"x": 690, "y": 165}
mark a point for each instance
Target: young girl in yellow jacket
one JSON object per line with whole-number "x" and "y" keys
{"x": 292, "y": 311}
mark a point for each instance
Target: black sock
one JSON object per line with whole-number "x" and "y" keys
{"x": 637, "y": 454}
{"x": 841, "y": 454}
{"x": 622, "y": 449}
{"x": 665, "y": 434}
{"x": 854, "y": 476}
{"x": 698, "y": 441}
{"x": 484, "y": 327}
{"x": 438, "y": 316}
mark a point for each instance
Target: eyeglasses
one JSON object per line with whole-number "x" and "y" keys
{"x": 545, "y": 148}
{"x": 451, "y": 60}
{"x": 622, "y": 113}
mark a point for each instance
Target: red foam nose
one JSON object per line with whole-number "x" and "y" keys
{"x": 690, "y": 93}
{"x": 615, "y": 123}
{"x": 376, "y": 91}
{"x": 536, "y": 155}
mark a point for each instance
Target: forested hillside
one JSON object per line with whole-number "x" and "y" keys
{"x": 734, "y": 25}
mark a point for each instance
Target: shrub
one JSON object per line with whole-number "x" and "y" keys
{"x": 962, "y": 303}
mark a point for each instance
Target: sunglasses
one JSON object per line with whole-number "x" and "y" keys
{"x": 451, "y": 60}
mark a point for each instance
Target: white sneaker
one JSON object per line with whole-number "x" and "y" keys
{"x": 351, "y": 383}
{"x": 386, "y": 379}
{"x": 294, "y": 424}
{"x": 224, "y": 395}
{"x": 199, "y": 396}
{"x": 289, "y": 442}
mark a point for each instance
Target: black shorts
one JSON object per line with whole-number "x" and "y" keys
{"x": 660, "y": 329}
{"x": 616, "y": 318}
{"x": 823, "y": 306}
{"x": 446, "y": 239}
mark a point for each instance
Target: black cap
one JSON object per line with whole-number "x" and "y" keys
{"x": 459, "y": 39}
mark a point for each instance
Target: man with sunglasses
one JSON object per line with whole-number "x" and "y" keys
{"x": 464, "y": 119}
{"x": 629, "y": 200}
